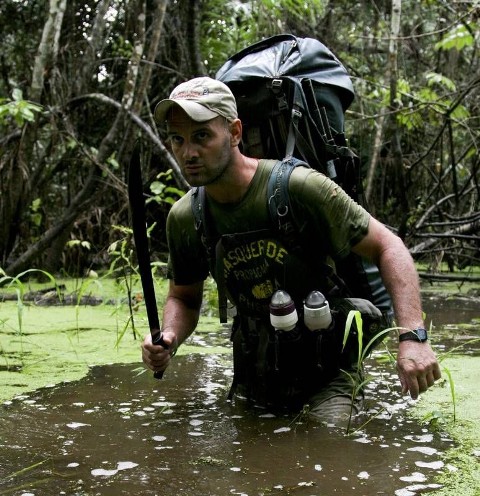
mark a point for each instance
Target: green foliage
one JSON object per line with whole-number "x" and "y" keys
{"x": 355, "y": 316}
{"x": 452, "y": 391}
{"x": 354, "y": 320}
{"x": 232, "y": 26}
{"x": 35, "y": 213}
{"x": 434, "y": 418}
{"x": 434, "y": 78}
{"x": 77, "y": 242}
{"x": 163, "y": 191}
{"x": 436, "y": 72}
{"x": 457, "y": 38}
{"x": 112, "y": 161}
{"x": 18, "y": 109}
{"x": 121, "y": 47}
{"x": 123, "y": 268}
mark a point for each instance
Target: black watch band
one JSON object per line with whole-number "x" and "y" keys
{"x": 420, "y": 335}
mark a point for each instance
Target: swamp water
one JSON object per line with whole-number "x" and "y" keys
{"x": 119, "y": 433}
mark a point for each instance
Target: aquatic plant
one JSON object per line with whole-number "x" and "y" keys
{"x": 434, "y": 417}
{"x": 22, "y": 471}
{"x": 356, "y": 379}
{"x": 452, "y": 392}
{"x": 122, "y": 266}
{"x": 20, "y": 287}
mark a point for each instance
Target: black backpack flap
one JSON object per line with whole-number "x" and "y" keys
{"x": 287, "y": 55}
{"x": 291, "y": 96}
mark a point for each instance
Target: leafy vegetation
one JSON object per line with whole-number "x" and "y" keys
{"x": 80, "y": 81}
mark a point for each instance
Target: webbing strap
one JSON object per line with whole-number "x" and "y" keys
{"x": 278, "y": 197}
{"x": 221, "y": 283}
{"x": 283, "y": 218}
{"x": 213, "y": 247}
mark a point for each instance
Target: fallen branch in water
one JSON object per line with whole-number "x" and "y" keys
{"x": 449, "y": 277}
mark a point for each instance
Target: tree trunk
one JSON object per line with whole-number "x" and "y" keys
{"x": 48, "y": 48}
{"x": 376, "y": 149}
{"x": 94, "y": 47}
{"x": 193, "y": 38}
{"x": 394, "y": 107}
{"x": 14, "y": 178}
{"x": 66, "y": 219}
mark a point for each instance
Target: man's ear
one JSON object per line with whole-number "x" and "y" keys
{"x": 235, "y": 132}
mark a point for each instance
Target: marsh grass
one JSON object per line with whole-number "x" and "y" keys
{"x": 356, "y": 379}
{"x": 433, "y": 417}
{"x": 122, "y": 266}
{"x": 26, "y": 470}
{"x": 20, "y": 287}
{"x": 87, "y": 322}
{"x": 452, "y": 392}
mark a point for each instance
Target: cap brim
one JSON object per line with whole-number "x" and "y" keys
{"x": 194, "y": 110}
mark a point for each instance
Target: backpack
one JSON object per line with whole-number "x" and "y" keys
{"x": 292, "y": 94}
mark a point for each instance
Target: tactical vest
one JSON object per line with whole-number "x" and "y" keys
{"x": 271, "y": 367}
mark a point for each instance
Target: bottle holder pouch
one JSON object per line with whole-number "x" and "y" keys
{"x": 286, "y": 367}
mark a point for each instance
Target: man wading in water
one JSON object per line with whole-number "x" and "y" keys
{"x": 276, "y": 368}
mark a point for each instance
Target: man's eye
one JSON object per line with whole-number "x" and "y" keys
{"x": 175, "y": 140}
{"x": 201, "y": 136}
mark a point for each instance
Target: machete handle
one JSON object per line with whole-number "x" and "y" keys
{"x": 157, "y": 339}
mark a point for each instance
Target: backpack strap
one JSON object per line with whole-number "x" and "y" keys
{"x": 212, "y": 244}
{"x": 283, "y": 218}
{"x": 278, "y": 198}
{"x": 308, "y": 132}
{"x": 199, "y": 213}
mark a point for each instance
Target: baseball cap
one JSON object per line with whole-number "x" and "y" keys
{"x": 202, "y": 98}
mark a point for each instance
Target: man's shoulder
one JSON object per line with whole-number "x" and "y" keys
{"x": 183, "y": 206}
{"x": 303, "y": 176}
{"x": 266, "y": 164}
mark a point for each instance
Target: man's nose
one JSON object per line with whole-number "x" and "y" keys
{"x": 189, "y": 151}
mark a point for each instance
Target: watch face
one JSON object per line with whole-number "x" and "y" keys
{"x": 422, "y": 334}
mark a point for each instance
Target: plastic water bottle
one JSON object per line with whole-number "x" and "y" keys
{"x": 283, "y": 314}
{"x": 316, "y": 312}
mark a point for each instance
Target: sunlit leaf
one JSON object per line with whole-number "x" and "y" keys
{"x": 17, "y": 94}
{"x": 460, "y": 113}
{"x": 459, "y": 37}
{"x": 157, "y": 187}
{"x": 440, "y": 79}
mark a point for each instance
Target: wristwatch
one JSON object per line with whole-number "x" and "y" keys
{"x": 419, "y": 334}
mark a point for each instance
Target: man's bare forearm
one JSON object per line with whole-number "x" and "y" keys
{"x": 398, "y": 273}
{"x": 401, "y": 280}
{"x": 180, "y": 316}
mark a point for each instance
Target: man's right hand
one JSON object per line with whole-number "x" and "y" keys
{"x": 156, "y": 357}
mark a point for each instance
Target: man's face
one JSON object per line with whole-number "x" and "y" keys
{"x": 202, "y": 149}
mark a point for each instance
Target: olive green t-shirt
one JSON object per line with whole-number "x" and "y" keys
{"x": 329, "y": 221}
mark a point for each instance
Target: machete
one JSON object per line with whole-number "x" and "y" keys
{"x": 139, "y": 225}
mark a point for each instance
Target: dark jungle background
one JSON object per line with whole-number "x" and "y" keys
{"x": 79, "y": 81}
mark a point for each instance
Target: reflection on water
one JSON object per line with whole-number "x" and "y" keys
{"x": 455, "y": 323}
{"x": 119, "y": 433}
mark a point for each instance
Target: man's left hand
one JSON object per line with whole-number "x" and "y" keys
{"x": 417, "y": 367}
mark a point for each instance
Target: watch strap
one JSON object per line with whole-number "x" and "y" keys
{"x": 419, "y": 335}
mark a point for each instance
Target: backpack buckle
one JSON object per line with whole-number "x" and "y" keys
{"x": 276, "y": 88}
{"x": 276, "y": 85}
{"x": 296, "y": 115}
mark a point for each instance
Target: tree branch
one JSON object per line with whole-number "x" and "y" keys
{"x": 165, "y": 154}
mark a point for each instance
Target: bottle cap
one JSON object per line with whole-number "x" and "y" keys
{"x": 283, "y": 314}
{"x": 316, "y": 311}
